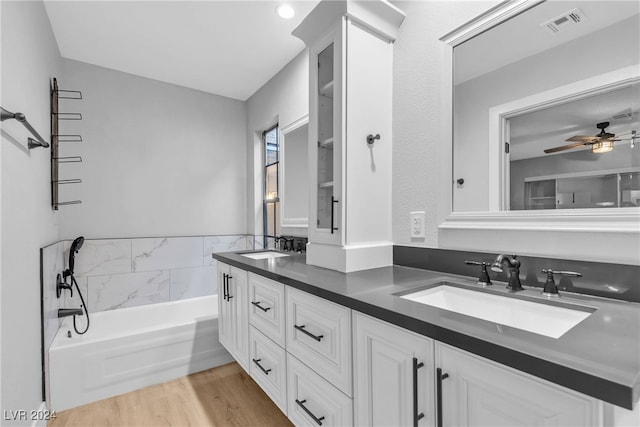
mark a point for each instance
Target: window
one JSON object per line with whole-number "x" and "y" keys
{"x": 271, "y": 208}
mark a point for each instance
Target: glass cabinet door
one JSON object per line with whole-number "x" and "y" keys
{"x": 326, "y": 196}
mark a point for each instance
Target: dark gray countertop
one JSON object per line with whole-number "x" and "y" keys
{"x": 599, "y": 357}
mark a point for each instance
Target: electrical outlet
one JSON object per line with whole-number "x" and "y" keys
{"x": 417, "y": 224}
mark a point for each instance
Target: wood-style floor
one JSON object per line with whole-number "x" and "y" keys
{"x": 222, "y": 396}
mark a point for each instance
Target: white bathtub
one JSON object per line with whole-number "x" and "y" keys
{"x": 131, "y": 348}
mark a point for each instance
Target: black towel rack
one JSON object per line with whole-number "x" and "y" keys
{"x": 31, "y": 143}
{"x": 56, "y": 138}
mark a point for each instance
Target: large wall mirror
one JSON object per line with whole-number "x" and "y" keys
{"x": 546, "y": 110}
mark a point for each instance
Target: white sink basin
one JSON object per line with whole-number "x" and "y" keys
{"x": 265, "y": 255}
{"x": 539, "y": 318}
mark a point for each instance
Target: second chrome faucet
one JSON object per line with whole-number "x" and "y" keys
{"x": 513, "y": 265}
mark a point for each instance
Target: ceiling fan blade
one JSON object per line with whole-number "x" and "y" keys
{"x": 566, "y": 147}
{"x": 583, "y": 138}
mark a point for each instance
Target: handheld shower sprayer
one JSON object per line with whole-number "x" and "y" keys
{"x": 75, "y": 248}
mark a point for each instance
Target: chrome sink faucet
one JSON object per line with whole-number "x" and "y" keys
{"x": 513, "y": 265}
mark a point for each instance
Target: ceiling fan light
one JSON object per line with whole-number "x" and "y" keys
{"x": 602, "y": 147}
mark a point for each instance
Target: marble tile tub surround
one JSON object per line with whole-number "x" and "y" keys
{"x": 618, "y": 281}
{"x": 120, "y": 273}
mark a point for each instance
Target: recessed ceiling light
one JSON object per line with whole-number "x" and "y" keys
{"x": 285, "y": 11}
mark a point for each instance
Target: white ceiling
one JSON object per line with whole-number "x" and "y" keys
{"x": 522, "y": 36}
{"x": 228, "y": 48}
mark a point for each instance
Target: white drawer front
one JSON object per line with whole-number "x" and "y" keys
{"x": 268, "y": 367}
{"x": 319, "y": 334}
{"x": 312, "y": 401}
{"x": 267, "y": 307}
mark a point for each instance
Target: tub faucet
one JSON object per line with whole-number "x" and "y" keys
{"x": 514, "y": 270}
{"x": 64, "y": 312}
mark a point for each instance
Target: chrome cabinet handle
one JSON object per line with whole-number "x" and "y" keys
{"x": 311, "y": 414}
{"x": 303, "y": 330}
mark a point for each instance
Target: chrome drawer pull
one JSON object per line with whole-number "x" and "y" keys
{"x": 305, "y": 409}
{"x": 303, "y": 330}
{"x": 257, "y": 362}
{"x": 257, "y": 304}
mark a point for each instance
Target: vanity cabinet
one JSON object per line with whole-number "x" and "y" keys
{"x": 477, "y": 391}
{"x": 337, "y": 366}
{"x": 393, "y": 375}
{"x": 233, "y": 317}
{"x": 350, "y": 64}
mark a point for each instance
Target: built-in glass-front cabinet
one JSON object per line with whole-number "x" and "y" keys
{"x": 350, "y": 142}
{"x": 328, "y": 149}
{"x": 325, "y": 364}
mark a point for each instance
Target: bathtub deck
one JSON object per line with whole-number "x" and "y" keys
{"x": 222, "y": 396}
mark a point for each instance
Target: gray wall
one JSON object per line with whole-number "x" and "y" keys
{"x": 30, "y": 58}
{"x": 283, "y": 99}
{"x": 418, "y": 73}
{"x": 159, "y": 159}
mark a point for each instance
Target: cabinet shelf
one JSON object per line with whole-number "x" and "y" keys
{"x": 327, "y": 184}
{"x": 326, "y": 143}
{"x": 327, "y": 90}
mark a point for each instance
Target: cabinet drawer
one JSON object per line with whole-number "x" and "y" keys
{"x": 268, "y": 367}
{"x": 312, "y": 401}
{"x": 319, "y": 334}
{"x": 267, "y": 307}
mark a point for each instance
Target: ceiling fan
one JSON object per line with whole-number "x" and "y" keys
{"x": 600, "y": 143}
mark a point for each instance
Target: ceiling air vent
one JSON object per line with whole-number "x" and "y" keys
{"x": 563, "y": 21}
{"x": 626, "y": 116}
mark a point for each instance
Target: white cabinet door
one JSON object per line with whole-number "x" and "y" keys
{"x": 478, "y": 392}
{"x": 312, "y": 401}
{"x": 325, "y": 137}
{"x": 233, "y": 314}
{"x": 319, "y": 334}
{"x": 393, "y": 375}
{"x": 224, "y": 309}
